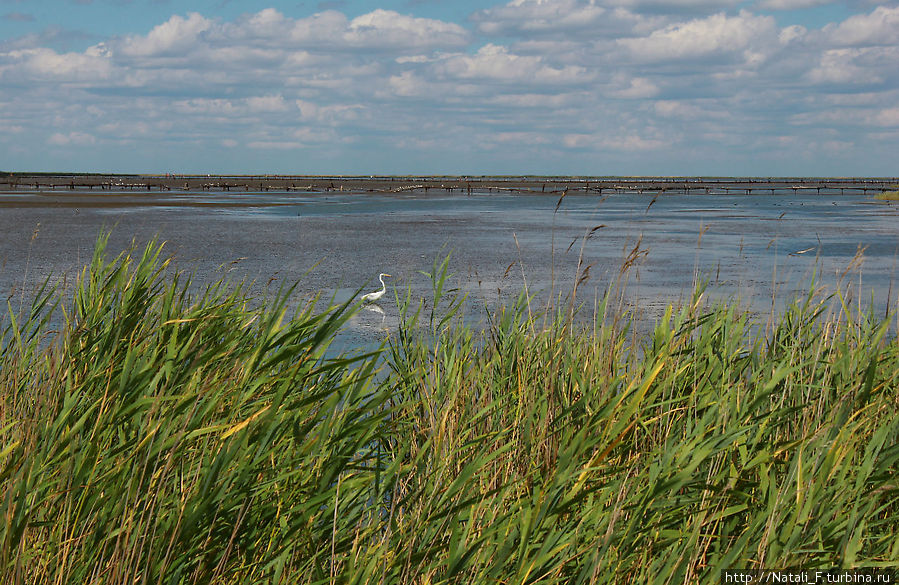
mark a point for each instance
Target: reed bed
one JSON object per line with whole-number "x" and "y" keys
{"x": 172, "y": 434}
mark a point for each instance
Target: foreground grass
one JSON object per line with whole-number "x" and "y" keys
{"x": 168, "y": 436}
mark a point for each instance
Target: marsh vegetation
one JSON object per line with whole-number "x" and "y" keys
{"x": 170, "y": 433}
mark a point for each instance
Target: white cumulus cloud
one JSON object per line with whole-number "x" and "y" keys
{"x": 497, "y": 63}
{"x": 880, "y": 27}
{"x": 173, "y": 37}
{"x": 717, "y": 34}
{"x": 386, "y": 28}
{"x": 42, "y": 64}
{"x": 540, "y": 15}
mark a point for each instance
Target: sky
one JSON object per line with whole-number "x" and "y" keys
{"x": 523, "y": 87}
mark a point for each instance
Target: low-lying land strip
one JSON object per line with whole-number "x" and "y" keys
{"x": 457, "y": 184}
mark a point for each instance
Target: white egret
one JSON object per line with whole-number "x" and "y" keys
{"x": 374, "y": 296}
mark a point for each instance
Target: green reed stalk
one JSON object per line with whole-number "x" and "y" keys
{"x": 176, "y": 434}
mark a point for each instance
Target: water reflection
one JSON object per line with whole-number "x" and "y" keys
{"x": 755, "y": 247}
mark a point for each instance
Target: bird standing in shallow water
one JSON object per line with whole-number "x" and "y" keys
{"x": 374, "y": 296}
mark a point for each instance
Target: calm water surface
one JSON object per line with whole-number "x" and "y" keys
{"x": 748, "y": 246}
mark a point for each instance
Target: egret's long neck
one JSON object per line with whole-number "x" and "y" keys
{"x": 383, "y": 285}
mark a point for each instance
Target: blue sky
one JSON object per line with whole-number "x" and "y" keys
{"x": 648, "y": 87}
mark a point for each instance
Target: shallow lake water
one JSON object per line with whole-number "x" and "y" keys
{"x": 751, "y": 247}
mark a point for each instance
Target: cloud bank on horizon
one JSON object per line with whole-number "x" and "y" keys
{"x": 685, "y": 87}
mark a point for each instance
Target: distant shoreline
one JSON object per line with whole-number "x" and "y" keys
{"x": 40, "y": 182}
